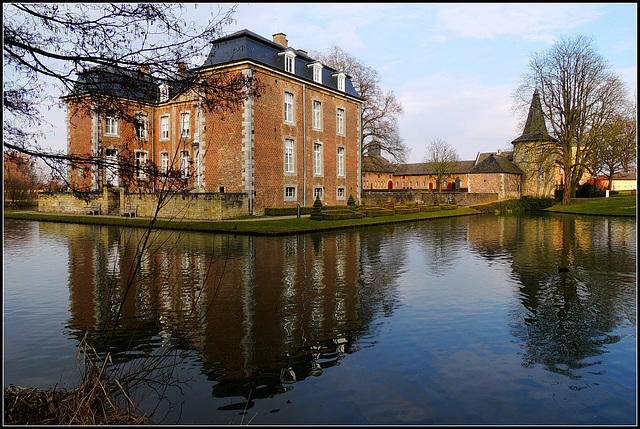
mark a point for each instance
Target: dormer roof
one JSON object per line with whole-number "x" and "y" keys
{"x": 245, "y": 45}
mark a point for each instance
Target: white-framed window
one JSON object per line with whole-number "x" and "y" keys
{"x": 184, "y": 163}
{"x": 111, "y": 168}
{"x": 141, "y": 163}
{"x": 340, "y": 121}
{"x": 185, "y": 124}
{"x": 317, "y": 159}
{"x": 341, "y": 81}
{"x": 289, "y": 156}
{"x": 141, "y": 126}
{"x": 164, "y": 162}
{"x": 317, "y": 72}
{"x": 288, "y": 107}
{"x": 341, "y": 193}
{"x": 317, "y": 115}
{"x": 289, "y": 62}
{"x": 289, "y": 193}
{"x": 164, "y": 92}
{"x": 110, "y": 125}
{"x": 317, "y": 193}
{"x": 340, "y": 162}
{"x": 164, "y": 128}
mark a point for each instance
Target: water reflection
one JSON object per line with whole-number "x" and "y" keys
{"x": 565, "y": 319}
{"x": 258, "y": 314}
{"x": 261, "y": 312}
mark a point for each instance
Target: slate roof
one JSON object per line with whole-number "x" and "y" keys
{"x": 129, "y": 84}
{"x": 239, "y": 46}
{"x": 245, "y": 45}
{"x": 495, "y": 164}
{"x": 535, "y": 129}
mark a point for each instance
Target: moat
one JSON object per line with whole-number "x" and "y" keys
{"x": 448, "y": 321}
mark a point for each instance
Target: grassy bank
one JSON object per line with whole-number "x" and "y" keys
{"x": 262, "y": 226}
{"x": 620, "y": 205}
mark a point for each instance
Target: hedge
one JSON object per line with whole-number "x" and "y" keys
{"x": 341, "y": 214}
{"x": 286, "y": 211}
{"x": 429, "y": 208}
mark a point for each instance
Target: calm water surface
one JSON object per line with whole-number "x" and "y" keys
{"x": 452, "y": 321}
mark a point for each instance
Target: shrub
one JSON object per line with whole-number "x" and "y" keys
{"x": 378, "y": 211}
{"x": 341, "y": 214}
{"x": 316, "y": 212}
{"x": 519, "y": 205}
{"x": 429, "y": 208}
{"x": 351, "y": 201}
{"x": 285, "y": 211}
{"x": 589, "y": 191}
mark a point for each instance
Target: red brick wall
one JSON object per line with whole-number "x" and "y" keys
{"x": 224, "y": 142}
{"x": 270, "y": 132}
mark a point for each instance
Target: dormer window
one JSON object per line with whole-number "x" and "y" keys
{"x": 341, "y": 78}
{"x": 317, "y": 72}
{"x": 164, "y": 92}
{"x": 289, "y": 60}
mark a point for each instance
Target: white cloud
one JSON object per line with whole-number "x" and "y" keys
{"x": 535, "y": 22}
{"x": 471, "y": 117}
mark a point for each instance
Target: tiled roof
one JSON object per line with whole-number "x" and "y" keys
{"x": 426, "y": 168}
{"x": 631, "y": 175}
{"x": 374, "y": 163}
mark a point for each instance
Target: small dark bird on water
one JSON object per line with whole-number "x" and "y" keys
{"x": 563, "y": 269}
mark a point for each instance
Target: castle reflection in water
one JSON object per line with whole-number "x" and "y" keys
{"x": 261, "y": 312}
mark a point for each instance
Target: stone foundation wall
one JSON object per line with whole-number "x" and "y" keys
{"x": 213, "y": 206}
{"x": 370, "y": 197}
{"x": 66, "y": 202}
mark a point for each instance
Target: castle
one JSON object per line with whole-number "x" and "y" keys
{"x": 297, "y": 141}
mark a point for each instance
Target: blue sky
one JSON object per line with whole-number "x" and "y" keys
{"x": 454, "y": 67}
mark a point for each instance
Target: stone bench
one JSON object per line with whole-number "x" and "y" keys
{"x": 93, "y": 209}
{"x": 130, "y": 210}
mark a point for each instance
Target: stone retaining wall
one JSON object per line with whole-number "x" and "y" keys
{"x": 371, "y": 196}
{"x": 212, "y": 206}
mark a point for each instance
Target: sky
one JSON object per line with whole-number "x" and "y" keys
{"x": 454, "y": 67}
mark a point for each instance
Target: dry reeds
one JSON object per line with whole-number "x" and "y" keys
{"x": 81, "y": 406}
{"x": 94, "y": 402}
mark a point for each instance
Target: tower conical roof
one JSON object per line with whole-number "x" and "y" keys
{"x": 535, "y": 129}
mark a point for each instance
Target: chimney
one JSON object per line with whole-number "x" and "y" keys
{"x": 182, "y": 67}
{"x": 144, "y": 68}
{"x": 281, "y": 39}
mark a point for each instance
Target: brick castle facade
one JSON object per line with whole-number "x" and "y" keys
{"x": 297, "y": 140}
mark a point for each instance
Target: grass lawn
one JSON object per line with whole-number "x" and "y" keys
{"x": 623, "y": 204}
{"x": 262, "y": 226}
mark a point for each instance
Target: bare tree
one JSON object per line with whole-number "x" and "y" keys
{"x": 20, "y": 178}
{"x": 579, "y": 94}
{"x": 85, "y": 50}
{"x": 617, "y": 148}
{"x": 380, "y": 110}
{"x": 442, "y": 159}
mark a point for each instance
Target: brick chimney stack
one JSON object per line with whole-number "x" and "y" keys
{"x": 281, "y": 39}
